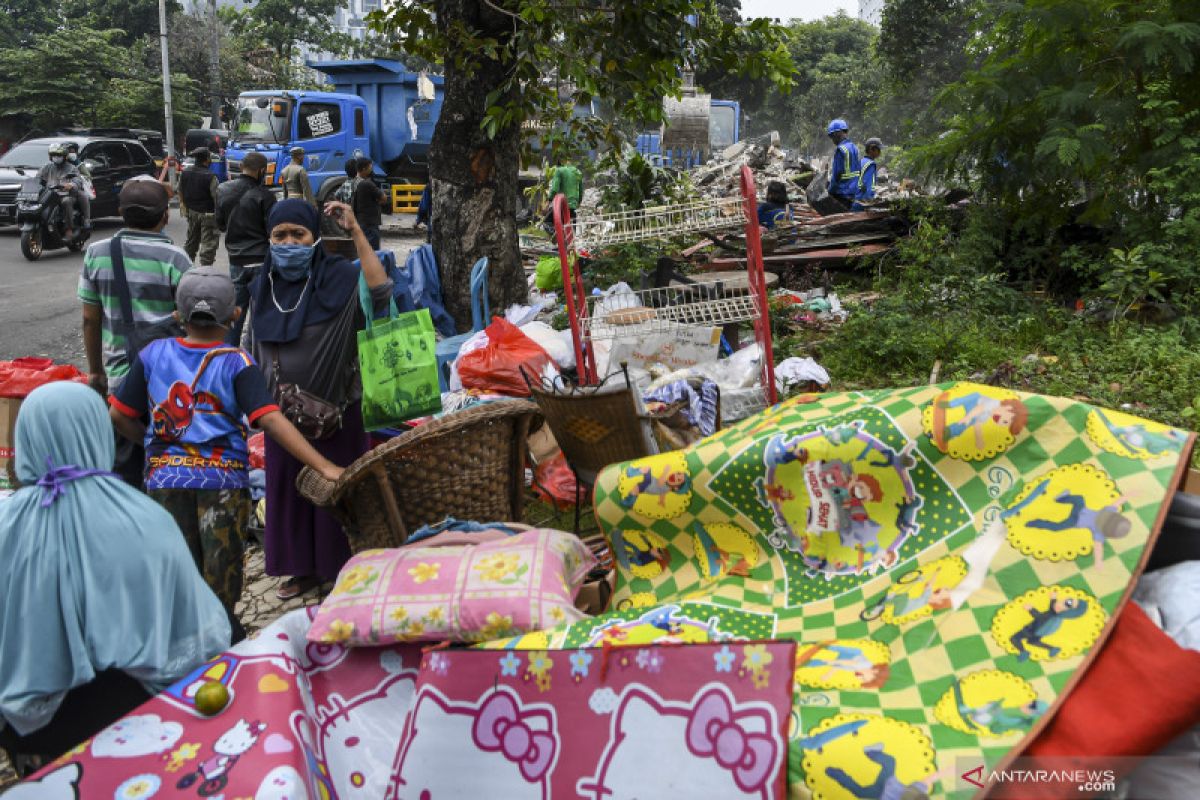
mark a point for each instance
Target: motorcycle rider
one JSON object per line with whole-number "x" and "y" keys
{"x": 62, "y": 174}
{"x": 85, "y": 195}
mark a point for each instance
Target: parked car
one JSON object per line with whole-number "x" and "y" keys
{"x": 151, "y": 140}
{"x": 111, "y": 161}
{"x": 215, "y": 140}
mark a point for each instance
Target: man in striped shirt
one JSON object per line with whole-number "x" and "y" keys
{"x": 153, "y": 267}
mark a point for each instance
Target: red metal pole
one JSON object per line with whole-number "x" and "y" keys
{"x": 573, "y": 287}
{"x": 758, "y": 283}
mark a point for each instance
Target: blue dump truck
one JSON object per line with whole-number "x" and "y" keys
{"x": 380, "y": 109}
{"x": 377, "y": 108}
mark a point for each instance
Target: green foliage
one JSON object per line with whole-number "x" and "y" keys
{"x": 23, "y": 22}
{"x": 922, "y": 47}
{"x": 556, "y": 56}
{"x": 638, "y": 184}
{"x": 135, "y": 18}
{"x": 286, "y": 25}
{"x": 85, "y": 62}
{"x": 836, "y": 75}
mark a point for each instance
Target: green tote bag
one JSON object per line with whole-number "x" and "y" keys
{"x": 398, "y": 364}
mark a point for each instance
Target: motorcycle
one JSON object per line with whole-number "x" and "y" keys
{"x": 42, "y": 222}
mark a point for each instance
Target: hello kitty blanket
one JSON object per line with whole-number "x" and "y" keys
{"x": 330, "y": 723}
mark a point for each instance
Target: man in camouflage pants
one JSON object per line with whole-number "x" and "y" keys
{"x": 198, "y": 201}
{"x": 212, "y": 522}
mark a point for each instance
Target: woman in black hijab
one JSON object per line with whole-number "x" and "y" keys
{"x": 305, "y": 312}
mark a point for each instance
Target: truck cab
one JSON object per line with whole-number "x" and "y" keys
{"x": 330, "y": 126}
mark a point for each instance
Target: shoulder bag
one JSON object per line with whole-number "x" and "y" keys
{"x": 136, "y": 336}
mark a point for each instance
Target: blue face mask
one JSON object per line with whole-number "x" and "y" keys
{"x": 293, "y": 261}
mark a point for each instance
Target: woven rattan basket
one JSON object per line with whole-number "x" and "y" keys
{"x": 469, "y": 465}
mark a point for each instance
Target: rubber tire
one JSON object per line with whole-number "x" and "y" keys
{"x": 328, "y": 188}
{"x": 31, "y": 244}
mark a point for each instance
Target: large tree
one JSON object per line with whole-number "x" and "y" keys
{"x": 510, "y": 61}
{"x": 924, "y": 45}
{"x": 836, "y": 75}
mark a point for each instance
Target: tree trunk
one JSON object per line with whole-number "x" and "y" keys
{"x": 474, "y": 179}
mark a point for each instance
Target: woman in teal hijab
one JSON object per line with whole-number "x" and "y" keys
{"x": 95, "y": 578}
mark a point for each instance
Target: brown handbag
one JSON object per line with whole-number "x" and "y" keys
{"x": 315, "y": 417}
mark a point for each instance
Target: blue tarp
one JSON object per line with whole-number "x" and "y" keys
{"x": 417, "y": 285}
{"x": 420, "y": 275}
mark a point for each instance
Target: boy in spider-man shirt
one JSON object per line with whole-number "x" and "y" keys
{"x": 202, "y": 395}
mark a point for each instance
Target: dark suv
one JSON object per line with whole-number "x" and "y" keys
{"x": 112, "y": 162}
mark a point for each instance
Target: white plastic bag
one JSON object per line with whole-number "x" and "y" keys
{"x": 561, "y": 350}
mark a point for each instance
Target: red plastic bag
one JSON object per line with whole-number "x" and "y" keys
{"x": 21, "y": 376}
{"x": 554, "y": 482}
{"x": 258, "y": 450}
{"x": 495, "y": 368}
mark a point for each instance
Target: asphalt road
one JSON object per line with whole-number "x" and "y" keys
{"x": 39, "y": 310}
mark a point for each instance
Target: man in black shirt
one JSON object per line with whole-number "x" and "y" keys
{"x": 198, "y": 201}
{"x": 368, "y": 200}
{"x": 242, "y": 209}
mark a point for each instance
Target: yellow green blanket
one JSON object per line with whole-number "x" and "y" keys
{"x": 948, "y": 557}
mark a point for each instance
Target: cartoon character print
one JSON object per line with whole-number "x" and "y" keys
{"x": 714, "y": 746}
{"x": 1131, "y": 437}
{"x": 644, "y": 553}
{"x": 843, "y": 664}
{"x": 920, "y": 592}
{"x": 538, "y": 640}
{"x": 1049, "y": 623}
{"x": 657, "y": 487}
{"x": 59, "y": 784}
{"x": 137, "y": 735}
{"x": 351, "y": 758}
{"x": 220, "y": 670}
{"x": 665, "y": 624}
{"x": 493, "y": 747}
{"x": 213, "y": 772}
{"x": 172, "y": 417}
{"x": 282, "y": 783}
{"x": 1069, "y": 512}
{"x": 724, "y": 549}
{"x": 867, "y": 757}
{"x": 991, "y": 704}
{"x": 972, "y": 422}
{"x": 840, "y": 497}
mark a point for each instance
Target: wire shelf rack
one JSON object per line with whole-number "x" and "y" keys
{"x": 716, "y": 302}
{"x": 651, "y": 311}
{"x": 658, "y": 222}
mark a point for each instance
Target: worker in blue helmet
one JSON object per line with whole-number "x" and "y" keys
{"x": 865, "y": 196}
{"x": 843, "y": 177}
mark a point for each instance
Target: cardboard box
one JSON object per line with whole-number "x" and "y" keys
{"x": 679, "y": 349}
{"x": 8, "y": 421}
{"x": 594, "y": 596}
{"x": 1191, "y": 481}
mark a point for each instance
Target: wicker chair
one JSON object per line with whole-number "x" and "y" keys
{"x": 595, "y": 426}
{"x": 469, "y": 465}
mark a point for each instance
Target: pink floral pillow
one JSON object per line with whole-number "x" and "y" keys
{"x": 466, "y": 593}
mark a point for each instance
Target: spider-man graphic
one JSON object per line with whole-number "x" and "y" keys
{"x": 173, "y": 416}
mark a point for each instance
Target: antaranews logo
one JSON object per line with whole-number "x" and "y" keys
{"x": 1052, "y": 779}
{"x": 973, "y": 776}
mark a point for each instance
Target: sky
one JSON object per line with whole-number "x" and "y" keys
{"x": 803, "y": 9}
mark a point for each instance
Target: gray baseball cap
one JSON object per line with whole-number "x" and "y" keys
{"x": 205, "y": 293}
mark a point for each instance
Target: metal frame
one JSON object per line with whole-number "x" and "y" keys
{"x": 709, "y": 303}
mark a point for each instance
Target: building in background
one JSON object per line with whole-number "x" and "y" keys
{"x": 871, "y": 11}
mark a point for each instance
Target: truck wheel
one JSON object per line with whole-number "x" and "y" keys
{"x": 328, "y": 187}
{"x": 31, "y": 244}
